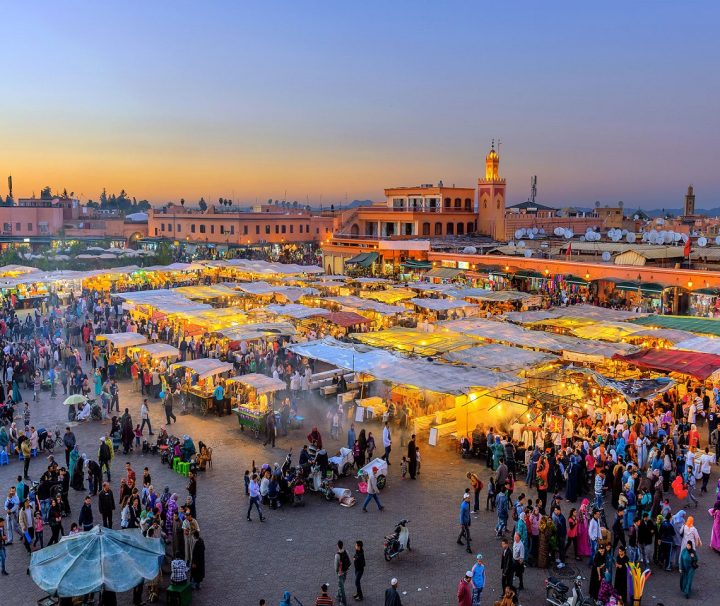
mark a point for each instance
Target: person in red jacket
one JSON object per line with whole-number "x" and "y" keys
{"x": 464, "y": 590}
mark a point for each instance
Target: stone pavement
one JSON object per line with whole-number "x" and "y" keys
{"x": 294, "y": 549}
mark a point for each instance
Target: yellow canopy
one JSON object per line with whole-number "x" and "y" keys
{"x": 390, "y": 296}
{"x": 423, "y": 343}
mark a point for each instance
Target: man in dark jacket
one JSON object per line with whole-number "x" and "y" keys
{"x": 106, "y": 505}
{"x": 86, "y": 515}
{"x": 69, "y": 442}
{"x": 104, "y": 457}
{"x": 506, "y": 564}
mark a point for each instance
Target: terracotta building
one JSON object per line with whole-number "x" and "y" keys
{"x": 240, "y": 226}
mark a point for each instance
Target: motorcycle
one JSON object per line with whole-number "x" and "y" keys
{"x": 287, "y": 464}
{"x": 556, "y": 593}
{"x": 398, "y": 541}
{"x": 315, "y": 482}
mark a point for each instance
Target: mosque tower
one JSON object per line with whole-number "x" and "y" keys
{"x": 491, "y": 198}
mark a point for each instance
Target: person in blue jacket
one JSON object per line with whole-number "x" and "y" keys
{"x": 465, "y": 522}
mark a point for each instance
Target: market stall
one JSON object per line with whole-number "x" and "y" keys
{"x": 201, "y": 376}
{"x": 252, "y": 396}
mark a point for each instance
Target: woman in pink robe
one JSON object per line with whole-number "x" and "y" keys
{"x": 715, "y": 534}
{"x": 583, "y": 538}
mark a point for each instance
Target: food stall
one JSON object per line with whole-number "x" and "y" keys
{"x": 201, "y": 377}
{"x": 151, "y": 352}
{"x": 116, "y": 348}
{"x": 252, "y": 398}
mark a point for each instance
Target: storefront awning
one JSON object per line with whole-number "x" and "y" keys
{"x": 205, "y": 367}
{"x": 577, "y": 280}
{"x": 124, "y": 339}
{"x": 528, "y": 273}
{"x": 411, "y": 264}
{"x": 695, "y": 364}
{"x": 160, "y": 350}
{"x": 346, "y": 318}
{"x": 363, "y": 259}
{"x": 702, "y": 326}
{"x": 260, "y": 383}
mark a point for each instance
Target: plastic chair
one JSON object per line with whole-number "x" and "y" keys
{"x": 4, "y": 459}
{"x": 33, "y": 452}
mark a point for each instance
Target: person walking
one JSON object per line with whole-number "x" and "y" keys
{"x": 106, "y": 505}
{"x": 387, "y": 442}
{"x": 86, "y": 516}
{"x": 12, "y": 506}
{"x": 105, "y": 455}
{"x": 372, "y": 490}
{"x": 412, "y": 457}
{"x": 464, "y": 590}
{"x": 145, "y": 417}
{"x": 476, "y": 485}
{"x": 168, "y": 404}
{"x": 688, "y": 566}
{"x": 359, "y": 564}
{"x": 254, "y": 490}
{"x": 342, "y": 565}
{"x": 478, "y": 579}
{"x": 392, "y": 597}
{"x": 69, "y": 441}
{"x": 465, "y": 523}
{"x": 3, "y": 552}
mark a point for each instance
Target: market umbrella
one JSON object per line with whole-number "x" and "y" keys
{"x": 116, "y": 560}
{"x": 75, "y": 399}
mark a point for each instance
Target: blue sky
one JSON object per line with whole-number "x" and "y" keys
{"x": 603, "y": 101}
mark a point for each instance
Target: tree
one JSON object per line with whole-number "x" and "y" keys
{"x": 143, "y": 206}
{"x": 182, "y": 202}
{"x": 9, "y": 201}
{"x": 202, "y": 204}
{"x": 64, "y": 194}
{"x": 163, "y": 253}
{"x": 46, "y": 193}
{"x": 103, "y": 199}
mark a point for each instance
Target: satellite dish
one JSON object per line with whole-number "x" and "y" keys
{"x": 717, "y": 240}
{"x": 542, "y": 231}
{"x": 624, "y": 232}
{"x": 588, "y": 230}
{"x": 630, "y": 237}
{"x": 669, "y": 237}
{"x": 677, "y": 237}
{"x": 702, "y": 241}
{"x": 606, "y": 256}
{"x": 521, "y": 244}
{"x": 558, "y": 231}
{"x": 519, "y": 233}
{"x": 528, "y": 254}
{"x": 616, "y": 236}
{"x": 685, "y": 238}
{"x": 636, "y": 217}
{"x": 469, "y": 250}
{"x": 660, "y": 221}
{"x": 652, "y": 237}
{"x": 567, "y": 233}
{"x": 531, "y": 236}
{"x": 535, "y": 230}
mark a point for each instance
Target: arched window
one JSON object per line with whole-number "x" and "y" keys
{"x": 468, "y": 204}
{"x": 354, "y": 230}
{"x": 450, "y": 229}
{"x": 447, "y": 202}
{"x": 438, "y": 229}
{"x": 458, "y": 203}
{"x": 470, "y": 228}
{"x": 460, "y": 229}
{"x": 426, "y": 229}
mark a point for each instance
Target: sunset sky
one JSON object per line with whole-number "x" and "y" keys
{"x": 603, "y": 101}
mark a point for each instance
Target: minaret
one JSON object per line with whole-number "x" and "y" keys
{"x": 690, "y": 202}
{"x": 491, "y": 198}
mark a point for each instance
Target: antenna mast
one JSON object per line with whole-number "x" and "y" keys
{"x": 533, "y": 188}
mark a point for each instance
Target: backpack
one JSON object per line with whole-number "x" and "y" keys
{"x": 344, "y": 561}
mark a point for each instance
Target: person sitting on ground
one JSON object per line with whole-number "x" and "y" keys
{"x": 84, "y": 413}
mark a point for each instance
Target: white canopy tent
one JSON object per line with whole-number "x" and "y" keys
{"x": 439, "y": 304}
{"x": 702, "y": 344}
{"x": 124, "y": 339}
{"x": 353, "y": 303}
{"x": 160, "y": 350}
{"x": 502, "y": 358}
{"x": 260, "y": 383}
{"x": 294, "y": 311}
{"x": 205, "y": 367}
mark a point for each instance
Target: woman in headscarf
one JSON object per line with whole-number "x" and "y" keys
{"x": 97, "y": 380}
{"x": 4, "y": 438}
{"x": 498, "y": 450}
{"x": 690, "y": 533}
{"x": 678, "y": 524}
{"x": 77, "y": 477}
{"x": 74, "y": 456}
{"x": 522, "y": 530}
{"x": 688, "y": 565}
{"x": 583, "y": 536}
{"x": 621, "y": 570}
{"x": 171, "y": 508}
{"x": 715, "y": 533}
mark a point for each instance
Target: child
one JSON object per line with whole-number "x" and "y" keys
{"x": 138, "y": 435}
{"x": 417, "y": 458}
{"x": 490, "y": 498}
{"x": 39, "y": 526}
{"x": 403, "y": 467}
{"x": 247, "y": 482}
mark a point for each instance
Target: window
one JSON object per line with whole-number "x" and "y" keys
{"x": 438, "y": 229}
{"x": 283, "y": 229}
{"x": 447, "y": 202}
{"x": 18, "y": 226}
{"x": 30, "y": 226}
{"x": 277, "y": 229}
{"x": 257, "y": 230}
{"x": 179, "y": 227}
{"x": 292, "y": 228}
{"x": 232, "y": 230}
{"x": 317, "y": 231}
{"x": 212, "y": 229}
{"x": 43, "y": 227}
{"x": 202, "y": 229}
{"x": 300, "y": 228}
{"x": 222, "y": 229}
{"x": 450, "y": 229}
{"x": 426, "y": 229}
{"x": 7, "y": 227}
{"x": 470, "y": 228}
{"x": 267, "y": 229}
{"x": 192, "y": 228}
{"x": 458, "y": 203}
{"x": 307, "y": 228}
{"x": 468, "y": 204}
{"x": 245, "y": 230}
{"x": 170, "y": 227}
{"x": 460, "y": 229}
{"x": 162, "y": 226}
{"x": 327, "y": 230}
